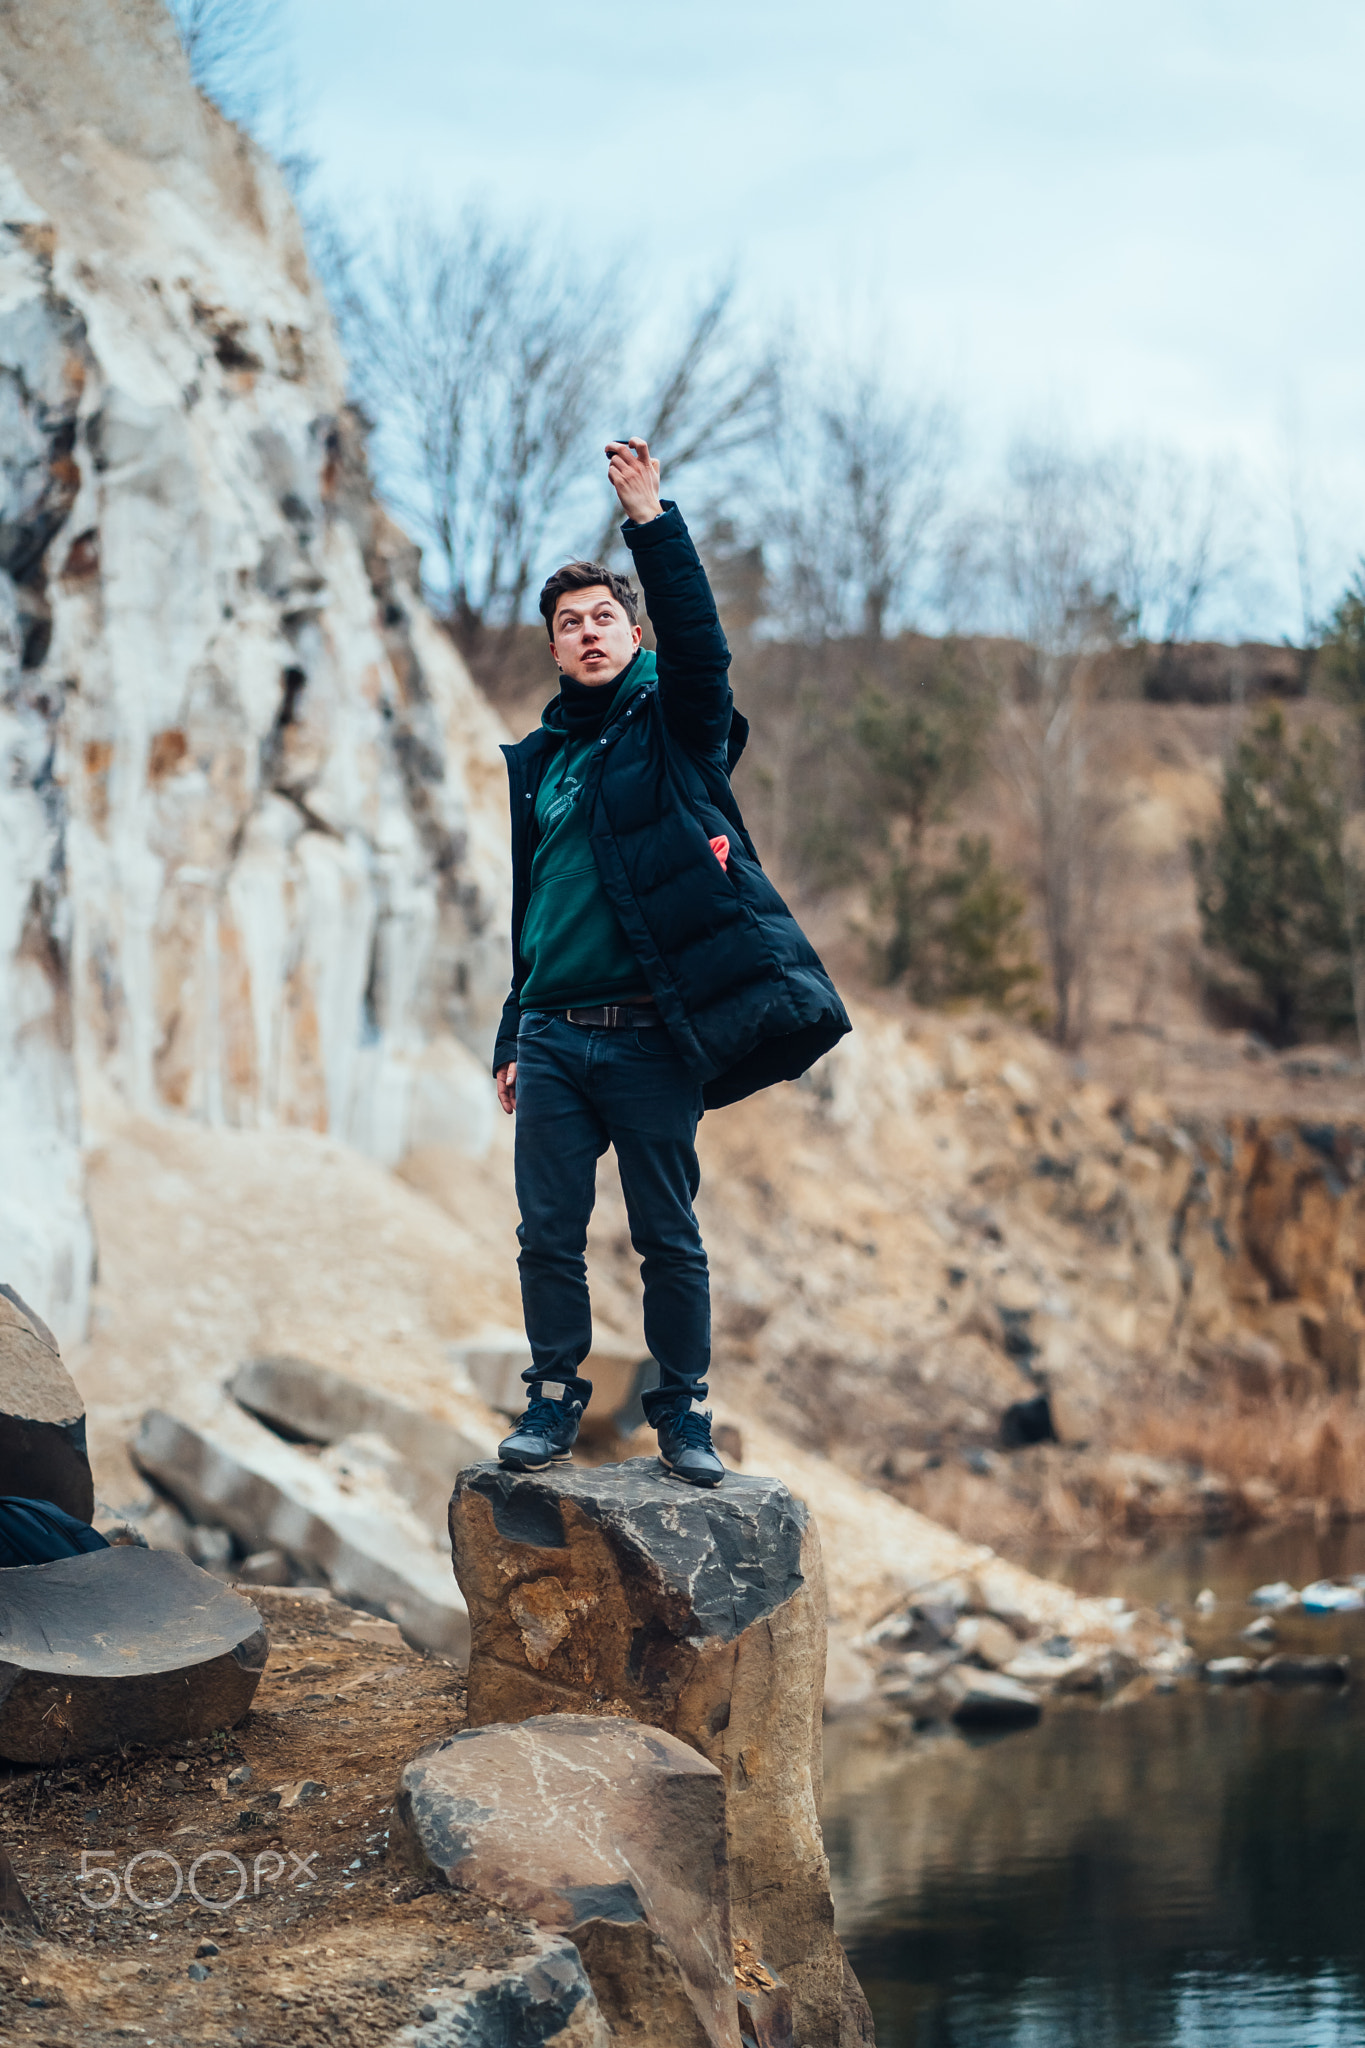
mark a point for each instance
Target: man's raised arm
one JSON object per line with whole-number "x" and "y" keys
{"x": 693, "y": 658}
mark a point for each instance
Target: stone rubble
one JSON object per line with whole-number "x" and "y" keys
{"x": 978, "y": 1295}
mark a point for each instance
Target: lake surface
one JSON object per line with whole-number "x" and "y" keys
{"x": 1179, "y": 1873}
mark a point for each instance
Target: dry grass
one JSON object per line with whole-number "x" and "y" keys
{"x": 1209, "y": 1463}
{"x": 1308, "y": 1451}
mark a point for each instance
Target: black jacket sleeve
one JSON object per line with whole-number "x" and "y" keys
{"x": 505, "y": 1046}
{"x": 693, "y": 658}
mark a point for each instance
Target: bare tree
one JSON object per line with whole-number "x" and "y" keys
{"x": 487, "y": 361}
{"x": 235, "y": 48}
{"x": 860, "y": 485}
{"x": 495, "y": 366}
{"x": 712, "y": 394}
{"x": 1127, "y": 544}
{"x": 1176, "y": 537}
{"x": 1055, "y": 572}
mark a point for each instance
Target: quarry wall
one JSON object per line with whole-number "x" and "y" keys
{"x": 252, "y": 840}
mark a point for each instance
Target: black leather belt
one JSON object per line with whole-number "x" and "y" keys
{"x": 614, "y": 1017}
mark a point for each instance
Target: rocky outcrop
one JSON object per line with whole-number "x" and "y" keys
{"x": 1270, "y": 1231}
{"x": 121, "y": 1646}
{"x": 615, "y": 1591}
{"x": 42, "y": 1421}
{"x": 252, "y": 862}
{"x": 366, "y": 1543}
{"x": 609, "y": 1831}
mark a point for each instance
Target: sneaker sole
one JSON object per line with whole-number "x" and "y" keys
{"x": 688, "y": 1478}
{"x": 536, "y": 1464}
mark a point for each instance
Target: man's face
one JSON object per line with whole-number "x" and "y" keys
{"x": 593, "y": 639}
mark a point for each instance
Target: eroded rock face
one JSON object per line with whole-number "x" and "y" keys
{"x": 252, "y": 858}
{"x": 123, "y": 1645}
{"x": 42, "y": 1419}
{"x": 607, "y": 1830}
{"x": 615, "y": 1591}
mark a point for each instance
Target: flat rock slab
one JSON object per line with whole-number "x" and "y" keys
{"x": 121, "y": 1646}
{"x": 987, "y": 1699}
{"x": 42, "y": 1419}
{"x": 372, "y": 1550}
{"x": 1287, "y": 1670}
{"x": 542, "y": 2000}
{"x": 316, "y": 1405}
{"x": 614, "y": 1590}
{"x": 607, "y": 1830}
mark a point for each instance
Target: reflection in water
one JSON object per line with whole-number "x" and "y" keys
{"x": 1185, "y": 1871}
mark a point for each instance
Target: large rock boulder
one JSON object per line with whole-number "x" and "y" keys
{"x": 42, "y": 1420}
{"x": 609, "y": 1831}
{"x": 615, "y": 1591}
{"x": 119, "y": 1646}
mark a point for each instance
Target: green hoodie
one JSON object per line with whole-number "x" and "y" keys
{"x": 576, "y": 954}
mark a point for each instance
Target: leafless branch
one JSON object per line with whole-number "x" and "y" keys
{"x": 235, "y": 50}
{"x": 860, "y": 489}
{"x": 487, "y": 362}
{"x": 711, "y": 396}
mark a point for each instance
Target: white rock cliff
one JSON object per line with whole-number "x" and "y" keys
{"x": 253, "y": 860}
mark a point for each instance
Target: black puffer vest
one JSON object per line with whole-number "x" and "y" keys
{"x": 737, "y": 982}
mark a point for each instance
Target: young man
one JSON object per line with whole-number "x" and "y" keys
{"x": 655, "y": 970}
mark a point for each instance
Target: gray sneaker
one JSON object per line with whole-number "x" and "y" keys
{"x": 685, "y": 1448}
{"x": 544, "y": 1435}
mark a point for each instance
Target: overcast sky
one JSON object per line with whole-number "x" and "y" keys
{"x": 1108, "y": 219}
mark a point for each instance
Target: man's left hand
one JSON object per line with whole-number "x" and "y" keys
{"x": 634, "y": 476}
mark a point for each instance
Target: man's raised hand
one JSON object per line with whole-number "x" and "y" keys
{"x": 634, "y": 476}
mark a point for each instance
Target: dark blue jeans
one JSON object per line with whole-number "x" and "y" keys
{"x": 578, "y": 1091}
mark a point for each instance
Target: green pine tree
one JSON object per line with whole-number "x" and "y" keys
{"x": 1342, "y": 658}
{"x": 959, "y": 933}
{"x": 1271, "y": 882}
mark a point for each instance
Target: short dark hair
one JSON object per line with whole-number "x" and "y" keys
{"x": 583, "y": 576}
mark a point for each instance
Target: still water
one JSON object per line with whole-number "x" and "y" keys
{"x": 1183, "y": 1872}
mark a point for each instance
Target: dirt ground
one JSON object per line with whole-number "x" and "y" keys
{"x": 334, "y": 1941}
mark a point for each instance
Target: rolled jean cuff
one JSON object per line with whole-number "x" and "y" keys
{"x": 661, "y": 1401}
{"x": 579, "y": 1390}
